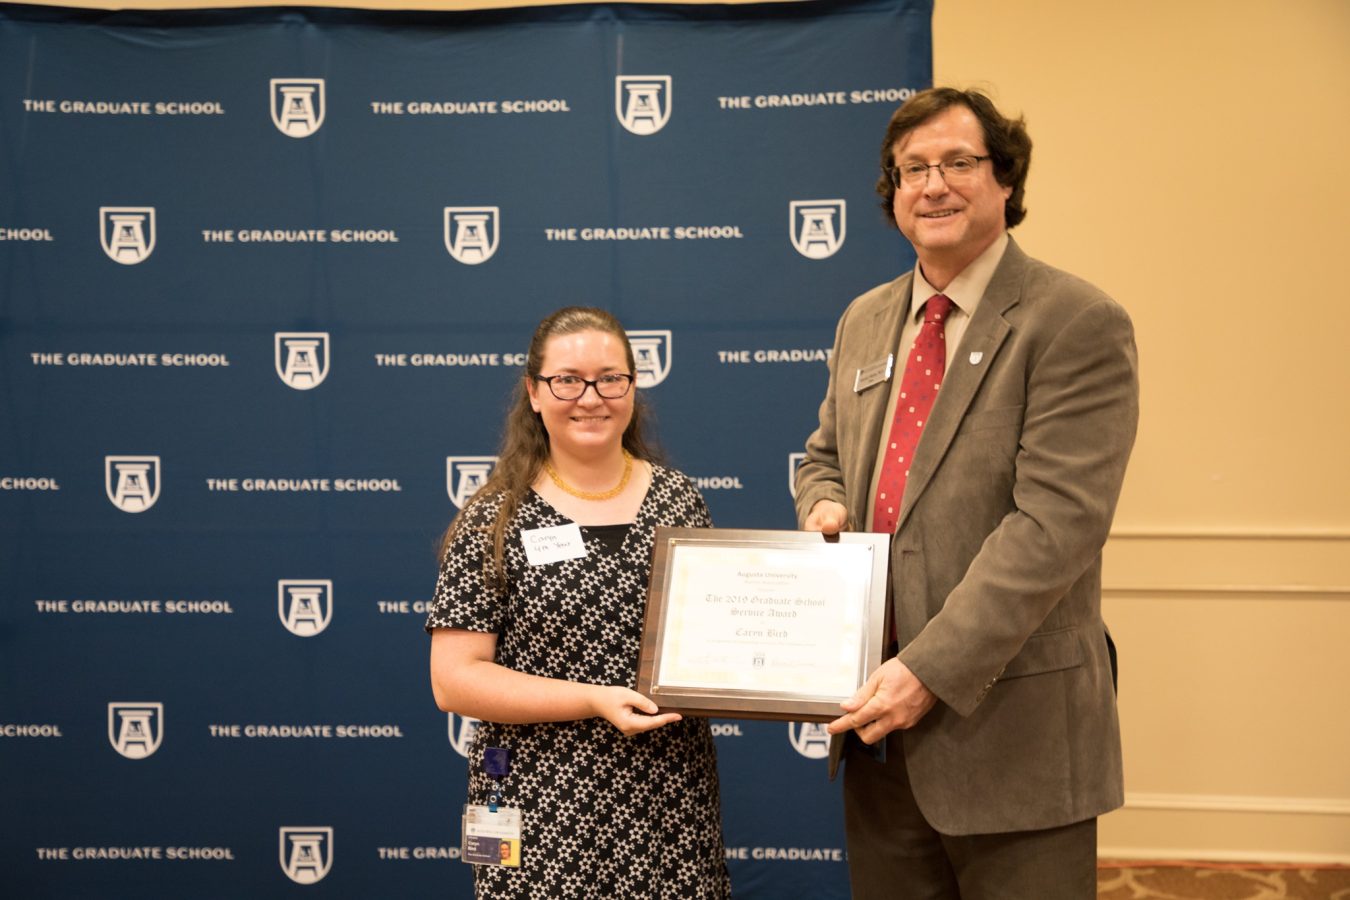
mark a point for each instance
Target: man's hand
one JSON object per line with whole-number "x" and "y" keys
{"x": 827, "y": 517}
{"x": 892, "y": 698}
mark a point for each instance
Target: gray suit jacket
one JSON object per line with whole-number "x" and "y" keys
{"x": 996, "y": 561}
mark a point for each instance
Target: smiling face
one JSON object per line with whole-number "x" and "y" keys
{"x": 948, "y": 224}
{"x": 589, "y": 426}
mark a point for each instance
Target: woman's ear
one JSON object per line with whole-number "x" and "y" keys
{"x": 532, "y": 388}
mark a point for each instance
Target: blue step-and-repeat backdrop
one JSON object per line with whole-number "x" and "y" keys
{"x": 266, "y": 279}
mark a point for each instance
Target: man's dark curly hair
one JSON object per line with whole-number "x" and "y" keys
{"x": 1006, "y": 140}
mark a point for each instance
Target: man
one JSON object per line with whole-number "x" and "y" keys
{"x": 979, "y": 755}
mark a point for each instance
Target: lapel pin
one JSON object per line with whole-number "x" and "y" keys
{"x": 976, "y": 357}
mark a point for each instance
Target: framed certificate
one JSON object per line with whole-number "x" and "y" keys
{"x": 762, "y": 624}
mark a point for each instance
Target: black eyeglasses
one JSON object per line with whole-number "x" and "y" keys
{"x": 610, "y": 386}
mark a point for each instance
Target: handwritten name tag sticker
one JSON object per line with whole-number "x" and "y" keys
{"x": 550, "y": 545}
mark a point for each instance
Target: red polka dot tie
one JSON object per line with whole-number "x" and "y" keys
{"x": 918, "y": 389}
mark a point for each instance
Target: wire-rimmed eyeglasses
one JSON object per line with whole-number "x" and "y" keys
{"x": 953, "y": 171}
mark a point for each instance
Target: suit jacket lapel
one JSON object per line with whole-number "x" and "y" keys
{"x": 985, "y": 334}
{"x": 884, "y": 331}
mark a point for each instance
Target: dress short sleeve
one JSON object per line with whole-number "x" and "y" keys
{"x": 696, "y": 507}
{"x": 463, "y": 598}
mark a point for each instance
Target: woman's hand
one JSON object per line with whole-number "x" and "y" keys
{"x": 629, "y": 711}
{"x": 466, "y": 680}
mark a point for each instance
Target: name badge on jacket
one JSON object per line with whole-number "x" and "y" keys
{"x": 876, "y": 373}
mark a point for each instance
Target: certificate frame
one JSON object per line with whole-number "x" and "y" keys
{"x": 690, "y": 633}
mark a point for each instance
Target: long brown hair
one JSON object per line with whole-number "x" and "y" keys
{"x": 525, "y": 447}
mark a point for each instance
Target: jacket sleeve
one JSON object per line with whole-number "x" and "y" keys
{"x": 820, "y": 476}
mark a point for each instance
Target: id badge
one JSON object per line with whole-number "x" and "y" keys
{"x": 491, "y": 838}
{"x": 876, "y": 373}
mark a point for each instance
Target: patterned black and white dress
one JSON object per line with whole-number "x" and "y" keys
{"x": 605, "y": 816}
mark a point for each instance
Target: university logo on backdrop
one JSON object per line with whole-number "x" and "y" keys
{"x": 795, "y": 461}
{"x": 462, "y": 729}
{"x": 810, "y": 739}
{"x": 131, "y": 482}
{"x": 464, "y": 475}
{"x": 652, "y": 354}
{"x": 135, "y": 730}
{"x": 472, "y": 233}
{"x": 301, "y": 358}
{"x": 127, "y": 233}
{"x": 306, "y": 852}
{"x": 642, "y": 102}
{"x": 298, "y": 105}
{"x": 817, "y": 227}
{"x": 305, "y": 605}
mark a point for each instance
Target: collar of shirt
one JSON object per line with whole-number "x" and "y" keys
{"x": 966, "y": 289}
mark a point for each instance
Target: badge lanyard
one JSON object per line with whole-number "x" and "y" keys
{"x": 496, "y": 765}
{"x": 492, "y": 834}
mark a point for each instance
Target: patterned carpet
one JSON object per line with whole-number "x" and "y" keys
{"x": 1219, "y": 881}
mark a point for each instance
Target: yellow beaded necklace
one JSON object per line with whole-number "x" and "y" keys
{"x": 594, "y": 495}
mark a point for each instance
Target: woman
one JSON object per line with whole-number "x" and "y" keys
{"x": 537, "y": 634}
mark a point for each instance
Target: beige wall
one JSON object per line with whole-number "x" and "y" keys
{"x": 1190, "y": 159}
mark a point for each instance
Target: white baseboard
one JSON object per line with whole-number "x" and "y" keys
{"x": 1210, "y": 854}
{"x": 1319, "y": 806}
